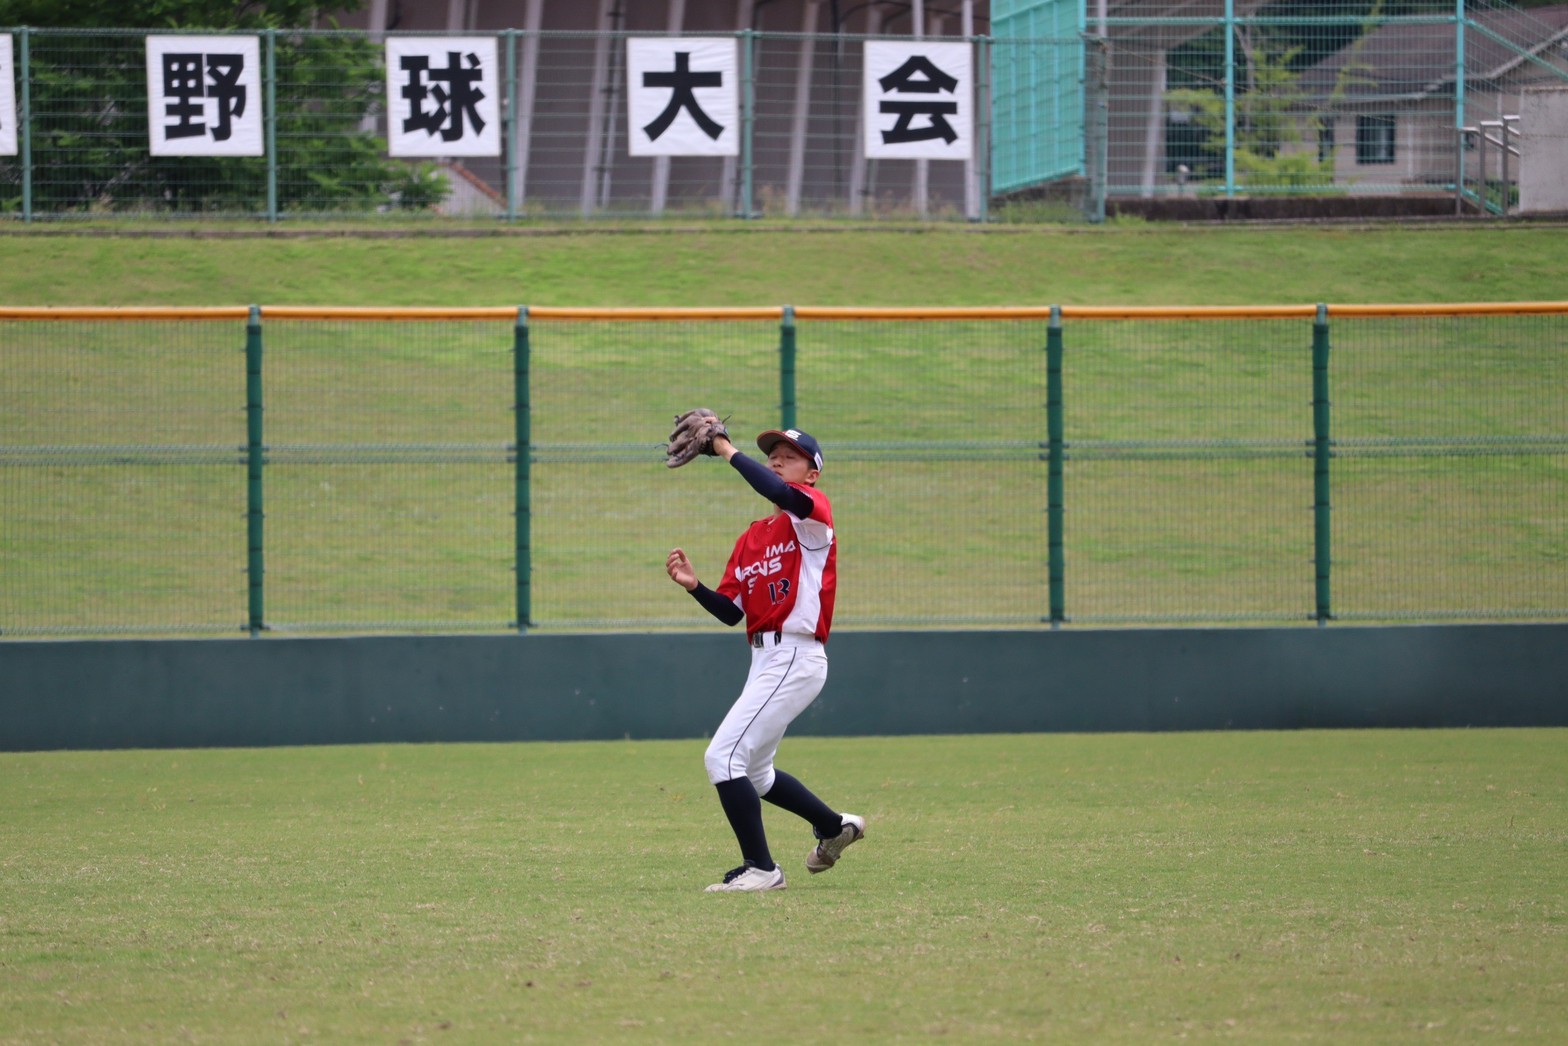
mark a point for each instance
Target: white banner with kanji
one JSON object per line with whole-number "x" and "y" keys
{"x": 682, "y": 95}
{"x": 443, "y": 96}
{"x": 7, "y": 98}
{"x": 204, "y": 96}
{"x": 919, "y": 100}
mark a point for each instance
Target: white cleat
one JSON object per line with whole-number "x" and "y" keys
{"x": 827, "y": 852}
{"x": 747, "y": 879}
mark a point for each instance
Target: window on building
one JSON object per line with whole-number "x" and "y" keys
{"x": 1374, "y": 139}
{"x": 1325, "y": 141}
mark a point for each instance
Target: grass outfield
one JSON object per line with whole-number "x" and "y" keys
{"x": 732, "y": 263}
{"x": 1346, "y": 887}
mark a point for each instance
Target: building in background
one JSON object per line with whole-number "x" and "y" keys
{"x": 1389, "y": 98}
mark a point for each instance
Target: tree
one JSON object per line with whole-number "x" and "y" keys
{"x": 1271, "y": 112}
{"x": 89, "y": 106}
{"x": 1267, "y": 121}
{"x": 167, "y": 14}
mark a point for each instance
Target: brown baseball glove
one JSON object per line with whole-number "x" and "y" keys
{"x": 694, "y": 434}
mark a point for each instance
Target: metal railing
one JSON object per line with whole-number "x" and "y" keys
{"x": 311, "y": 470}
{"x": 1492, "y": 195}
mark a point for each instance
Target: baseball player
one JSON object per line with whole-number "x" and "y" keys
{"x": 780, "y": 579}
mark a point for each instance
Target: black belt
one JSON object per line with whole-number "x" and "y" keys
{"x": 760, "y": 639}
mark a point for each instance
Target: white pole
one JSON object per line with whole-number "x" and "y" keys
{"x": 1154, "y": 130}
{"x": 533, "y": 17}
{"x": 743, "y": 10}
{"x": 376, "y": 27}
{"x": 596, "y": 106}
{"x": 612, "y": 112}
{"x": 858, "y": 169}
{"x": 675, "y": 19}
{"x": 376, "y": 19}
{"x": 797, "y": 131}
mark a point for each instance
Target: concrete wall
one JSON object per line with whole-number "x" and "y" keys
{"x": 1543, "y": 150}
{"x": 199, "y": 693}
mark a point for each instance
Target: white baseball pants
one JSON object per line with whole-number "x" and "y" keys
{"x": 787, "y": 674}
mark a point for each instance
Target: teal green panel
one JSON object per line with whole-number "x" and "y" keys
{"x": 1037, "y": 109}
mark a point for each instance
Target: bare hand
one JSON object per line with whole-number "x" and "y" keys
{"x": 680, "y": 570}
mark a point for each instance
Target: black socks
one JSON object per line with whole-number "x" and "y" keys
{"x": 744, "y": 810}
{"x": 789, "y": 794}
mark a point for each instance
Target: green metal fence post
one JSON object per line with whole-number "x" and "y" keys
{"x": 1230, "y": 98}
{"x": 1321, "y": 454}
{"x": 270, "y": 123}
{"x": 255, "y": 461}
{"x": 748, "y": 107}
{"x": 522, "y": 421}
{"x": 787, "y": 368}
{"x": 1460, "y": 22}
{"x": 1097, "y": 68}
{"x": 1056, "y": 453}
{"x": 983, "y": 138}
{"x": 24, "y": 120}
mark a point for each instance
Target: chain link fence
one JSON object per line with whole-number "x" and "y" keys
{"x": 301, "y": 470}
{"x": 1324, "y": 104}
{"x": 1067, "y": 113}
{"x": 562, "y": 140}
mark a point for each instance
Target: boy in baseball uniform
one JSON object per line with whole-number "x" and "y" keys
{"x": 780, "y": 579}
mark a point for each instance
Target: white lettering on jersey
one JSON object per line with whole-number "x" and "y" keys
{"x": 761, "y": 568}
{"x": 773, "y": 563}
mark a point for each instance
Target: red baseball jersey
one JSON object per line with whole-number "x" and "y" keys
{"x": 784, "y": 571}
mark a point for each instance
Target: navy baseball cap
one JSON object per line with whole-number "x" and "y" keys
{"x": 795, "y": 438}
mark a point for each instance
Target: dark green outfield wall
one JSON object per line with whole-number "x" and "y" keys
{"x": 184, "y": 693}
